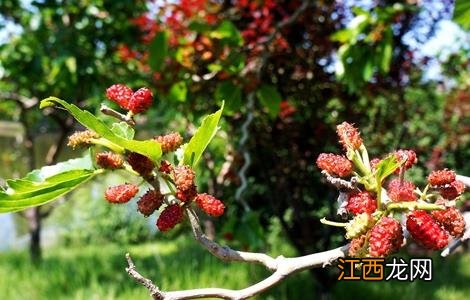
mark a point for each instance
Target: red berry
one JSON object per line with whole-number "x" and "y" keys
{"x": 149, "y": 202}
{"x": 121, "y": 193}
{"x": 165, "y": 167}
{"x": 140, "y": 101}
{"x": 357, "y": 246}
{"x": 109, "y": 160}
{"x": 186, "y": 195}
{"x": 374, "y": 162}
{"x": 211, "y": 205}
{"x": 401, "y": 191}
{"x": 140, "y": 163}
{"x": 386, "y": 237}
{"x": 184, "y": 178}
{"x": 170, "y": 216}
{"x": 349, "y": 136}
{"x": 453, "y": 190}
{"x": 407, "y": 157}
{"x": 119, "y": 94}
{"x": 425, "y": 231}
{"x": 334, "y": 164}
{"x": 441, "y": 177}
{"x": 361, "y": 202}
{"x": 170, "y": 142}
{"x": 451, "y": 219}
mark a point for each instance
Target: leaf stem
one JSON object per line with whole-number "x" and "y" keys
{"x": 332, "y": 223}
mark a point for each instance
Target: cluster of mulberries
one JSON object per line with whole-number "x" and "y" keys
{"x": 372, "y": 231}
{"x": 136, "y": 102}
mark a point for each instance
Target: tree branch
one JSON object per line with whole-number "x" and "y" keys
{"x": 281, "y": 267}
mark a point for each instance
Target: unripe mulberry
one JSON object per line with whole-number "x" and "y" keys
{"x": 425, "y": 231}
{"x": 140, "y": 163}
{"x": 407, "y": 157}
{"x": 452, "y": 190}
{"x": 451, "y": 219}
{"x": 120, "y": 94}
{"x": 374, "y": 162}
{"x": 334, "y": 164}
{"x": 359, "y": 225}
{"x": 149, "y": 202}
{"x": 349, "y": 136}
{"x": 81, "y": 138}
{"x": 140, "y": 101}
{"x": 358, "y": 246}
{"x": 109, "y": 160}
{"x": 184, "y": 177}
{"x": 441, "y": 177}
{"x": 361, "y": 202}
{"x": 121, "y": 193}
{"x": 165, "y": 167}
{"x": 401, "y": 191}
{"x": 210, "y": 205}
{"x": 386, "y": 237}
{"x": 170, "y": 142}
{"x": 170, "y": 216}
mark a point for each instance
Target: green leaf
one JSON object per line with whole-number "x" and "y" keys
{"x": 270, "y": 98}
{"x": 387, "y": 50}
{"x": 46, "y": 184}
{"x": 178, "y": 91}
{"x": 201, "y": 139}
{"x": 385, "y": 168}
{"x": 124, "y": 130}
{"x": 158, "y": 50}
{"x": 231, "y": 94}
{"x": 228, "y": 31}
{"x": 462, "y": 13}
{"x": 149, "y": 148}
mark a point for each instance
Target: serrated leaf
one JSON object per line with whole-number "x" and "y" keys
{"x": 123, "y": 130}
{"x": 386, "y": 167}
{"x": 149, "y": 148}
{"x": 158, "y": 50}
{"x": 270, "y": 98}
{"x": 201, "y": 139}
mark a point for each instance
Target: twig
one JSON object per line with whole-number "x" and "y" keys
{"x": 281, "y": 267}
{"x": 111, "y": 112}
{"x": 341, "y": 184}
{"x": 464, "y": 179}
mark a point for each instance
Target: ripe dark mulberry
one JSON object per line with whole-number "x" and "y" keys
{"x": 425, "y": 231}
{"x": 401, "y": 191}
{"x": 120, "y": 94}
{"x": 210, "y": 205}
{"x": 441, "y": 177}
{"x": 170, "y": 216}
{"x": 451, "y": 219}
{"x": 165, "y": 167}
{"x": 149, "y": 202}
{"x": 334, "y": 164}
{"x": 170, "y": 142}
{"x": 452, "y": 190}
{"x": 186, "y": 195}
{"x": 349, "y": 136}
{"x": 361, "y": 202}
{"x": 386, "y": 237}
{"x": 121, "y": 193}
{"x": 140, "y": 101}
{"x": 109, "y": 160}
{"x": 140, "y": 163}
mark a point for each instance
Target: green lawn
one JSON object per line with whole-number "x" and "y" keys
{"x": 97, "y": 272}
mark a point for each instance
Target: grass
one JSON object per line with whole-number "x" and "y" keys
{"x": 97, "y": 272}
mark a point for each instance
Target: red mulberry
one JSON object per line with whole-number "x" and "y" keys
{"x": 407, "y": 157}
{"x": 357, "y": 246}
{"x": 362, "y": 202}
{"x": 401, "y": 191}
{"x": 186, "y": 195}
{"x": 140, "y": 101}
{"x": 441, "y": 177}
{"x": 451, "y": 219}
{"x": 170, "y": 142}
{"x": 211, "y": 205}
{"x": 453, "y": 190}
{"x": 184, "y": 177}
{"x": 170, "y": 216}
{"x": 109, "y": 160}
{"x": 349, "y": 136}
{"x": 140, "y": 163}
{"x": 119, "y": 94}
{"x": 334, "y": 164}
{"x": 425, "y": 231}
{"x": 165, "y": 167}
{"x": 386, "y": 237}
{"x": 121, "y": 193}
{"x": 149, "y": 202}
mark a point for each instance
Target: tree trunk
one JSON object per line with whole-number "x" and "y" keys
{"x": 33, "y": 216}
